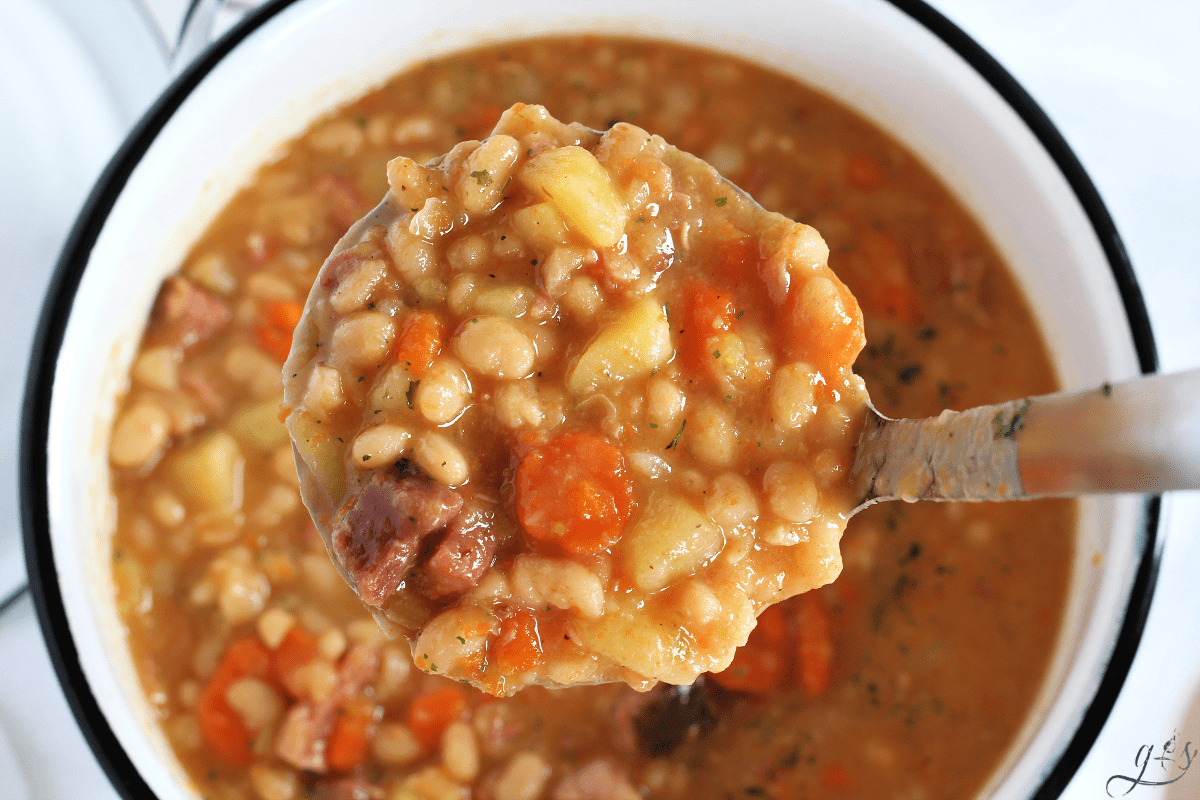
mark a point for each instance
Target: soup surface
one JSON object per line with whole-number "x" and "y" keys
{"x": 905, "y": 678}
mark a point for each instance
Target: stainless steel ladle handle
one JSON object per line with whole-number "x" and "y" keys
{"x": 1139, "y": 436}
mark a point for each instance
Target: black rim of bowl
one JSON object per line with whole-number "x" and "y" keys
{"x": 48, "y": 340}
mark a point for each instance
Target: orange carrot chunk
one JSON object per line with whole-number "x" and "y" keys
{"x": 350, "y": 740}
{"x": 708, "y": 312}
{"x": 518, "y": 646}
{"x": 864, "y": 172}
{"x": 298, "y": 647}
{"x": 889, "y": 291}
{"x": 431, "y": 713}
{"x": 274, "y": 326}
{"x": 814, "y": 649}
{"x": 222, "y": 728}
{"x": 759, "y": 666}
{"x": 589, "y": 474}
{"x": 420, "y": 342}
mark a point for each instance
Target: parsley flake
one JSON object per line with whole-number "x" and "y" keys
{"x": 722, "y": 201}
{"x": 482, "y": 177}
{"x": 678, "y": 433}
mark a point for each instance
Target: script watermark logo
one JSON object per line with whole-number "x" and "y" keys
{"x": 1166, "y": 768}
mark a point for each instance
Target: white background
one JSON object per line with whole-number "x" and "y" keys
{"x": 1120, "y": 79}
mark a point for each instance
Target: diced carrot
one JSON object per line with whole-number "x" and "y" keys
{"x": 518, "y": 646}
{"x": 420, "y": 342}
{"x": 588, "y": 473}
{"x": 273, "y": 329}
{"x": 759, "y": 666}
{"x": 835, "y": 776}
{"x": 222, "y": 728}
{"x": 350, "y": 740}
{"x": 885, "y": 288}
{"x": 708, "y": 312}
{"x": 864, "y": 172}
{"x": 814, "y": 649}
{"x": 736, "y": 259}
{"x": 298, "y": 647}
{"x": 431, "y": 713}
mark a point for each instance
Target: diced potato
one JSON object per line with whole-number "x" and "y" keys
{"x": 210, "y": 472}
{"x": 651, "y": 642}
{"x": 573, "y": 181}
{"x": 259, "y": 425}
{"x": 670, "y": 541}
{"x": 541, "y": 225}
{"x": 320, "y": 451}
{"x": 629, "y": 347}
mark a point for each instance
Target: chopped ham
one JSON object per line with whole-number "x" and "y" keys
{"x": 464, "y": 554}
{"x": 304, "y": 734}
{"x": 379, "y": 538}
{"x": 341, "y": 265}
{"x": 185, "y": 314}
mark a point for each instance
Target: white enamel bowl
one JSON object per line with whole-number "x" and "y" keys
{"x": 901, "y": 65}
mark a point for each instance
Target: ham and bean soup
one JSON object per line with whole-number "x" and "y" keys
{"x": 491, "y": 396}
{"x": 536, "y": 418}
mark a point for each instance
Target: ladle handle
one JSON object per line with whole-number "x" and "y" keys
{"x": 1139, "y": 436}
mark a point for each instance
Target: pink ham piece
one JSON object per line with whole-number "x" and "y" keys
{"x": 185, "y": 314}
{"x": 379, "y": 538}
{"x": 304, "y": 734}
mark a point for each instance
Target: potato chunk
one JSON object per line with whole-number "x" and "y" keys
{"x": 629, "y": 347}
{"x": 670, "y": 541}
{"x": 573, "y": 181}
{"x": 210, "y": 472}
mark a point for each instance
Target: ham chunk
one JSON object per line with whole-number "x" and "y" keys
{"x": 466, "y": 552}
{"x": 305, "y": 731}
{"x": 185, "y": 314}
{"x": 379, "y": 538}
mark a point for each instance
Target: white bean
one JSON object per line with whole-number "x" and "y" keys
{"x": 664, "y": 401}
{"x": 443, "y": 392}
{"x": 495, "y": 347}
{"x": 139, "y": 434}
{"x": 792, "y": 395}
{"x": 714, "y": 436}
{"x": 731, "y": 501}
{"x": 558, "y": 582}
{"x": 460, "y": 751}
{"x": 356, "y": 288}
{"x": 440, "y": 459}
{"x": 524, "y": 778}
{"x": 380, "y": 446}
{"x": 790, "y": 491}
{"x": 362, "y": 339}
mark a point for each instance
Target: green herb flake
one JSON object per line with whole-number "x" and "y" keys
{"x": 1008, "y": 429}
{"x": 461, "y": 639}
{"x": 641, "y": 219}
{"x": 716, "y": 353}
{"x": 412, "y": 389}
{"x": 482, "y": 177}
{"x": 675, "y": 441}
{"x": 367, "y": 457}
{"x": 653, "y": 424}
{"x": 722, "y": 201}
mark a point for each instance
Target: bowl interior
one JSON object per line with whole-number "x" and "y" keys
{"x": 307, "y": 57}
